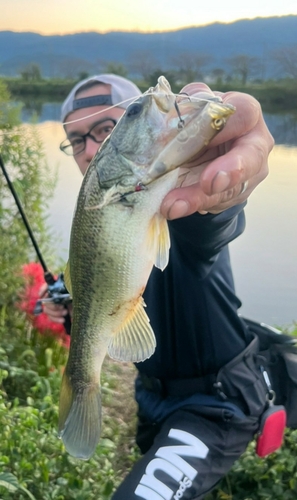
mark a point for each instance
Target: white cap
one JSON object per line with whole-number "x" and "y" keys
{"x": 123, "y": 92}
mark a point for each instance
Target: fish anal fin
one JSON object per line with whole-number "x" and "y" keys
{"x": 159, "y": 241}
{"x": 80, "y": 418}
{"x": 135, "y": 341}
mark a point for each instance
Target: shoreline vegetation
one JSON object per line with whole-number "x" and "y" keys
{"x": 276, "y": 96}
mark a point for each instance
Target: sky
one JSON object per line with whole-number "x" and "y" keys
{"x": 71, "y": 16}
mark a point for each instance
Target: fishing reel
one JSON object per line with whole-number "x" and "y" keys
{"x": 58, "y": 294}
{"x": 56, "y": 290}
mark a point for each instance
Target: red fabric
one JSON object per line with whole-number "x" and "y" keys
{"x": 272, "y": 430}
{"x": 34, "y": 279}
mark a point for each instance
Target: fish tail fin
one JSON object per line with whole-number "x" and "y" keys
{"x": 80, "y": 418}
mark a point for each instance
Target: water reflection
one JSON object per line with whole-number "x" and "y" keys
{"x": 265, "y": 256}
{"x": 282, "y": 126}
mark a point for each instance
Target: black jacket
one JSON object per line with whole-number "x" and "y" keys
{"x": 192, "y": 304}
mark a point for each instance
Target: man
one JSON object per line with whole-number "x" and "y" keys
{"x": 201, "y": 394}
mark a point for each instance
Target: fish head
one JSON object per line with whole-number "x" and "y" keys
{"x": 138, "y": 137}
{"x": 158, "y": 121}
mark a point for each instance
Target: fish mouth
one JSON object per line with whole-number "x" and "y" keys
{"x": 179, "y": 109}
{"x": 162, "y": 95}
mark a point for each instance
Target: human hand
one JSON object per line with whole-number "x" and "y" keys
{"x": 55, "y": 312}
{"x": 233, "y": 165}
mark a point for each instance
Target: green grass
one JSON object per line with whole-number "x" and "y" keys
{"x": 32, "y": 457}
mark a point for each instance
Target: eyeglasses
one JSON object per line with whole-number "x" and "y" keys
{"x": 99, "y": 131}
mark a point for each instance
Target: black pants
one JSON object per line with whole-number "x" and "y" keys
{"x": 188, "y": 454}
{"x": 195, "y": 446}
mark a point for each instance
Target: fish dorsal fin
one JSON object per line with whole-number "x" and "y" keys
{"x": 159, "y": 241}
{"x": 67, "y": 279}
{"x": 136, "y": 340}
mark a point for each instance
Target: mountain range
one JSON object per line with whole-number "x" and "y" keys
{"x": 67, "y": 55}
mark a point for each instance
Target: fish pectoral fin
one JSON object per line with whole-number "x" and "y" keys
{"x": 159, "y": 241}
{"x": 67, "y": 279}
{"x": 80, "y": 418}
{"x": 136, "y": 340}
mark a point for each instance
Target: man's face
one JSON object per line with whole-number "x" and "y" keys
{"x": 86, "y": 123}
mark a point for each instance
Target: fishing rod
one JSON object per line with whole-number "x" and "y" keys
{"x": 57, "y": 291}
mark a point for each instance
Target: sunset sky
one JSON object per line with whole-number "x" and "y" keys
{"x": 70, "y": 16}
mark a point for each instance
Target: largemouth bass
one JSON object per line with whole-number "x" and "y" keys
{"x": 117, "y": 236}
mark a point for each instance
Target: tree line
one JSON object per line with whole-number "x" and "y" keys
{"x": 184, "y": 67}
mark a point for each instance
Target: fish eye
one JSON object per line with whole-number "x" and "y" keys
{"x": 134, "y": 109}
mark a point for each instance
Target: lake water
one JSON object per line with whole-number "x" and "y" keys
{"x": 264, "y": 257}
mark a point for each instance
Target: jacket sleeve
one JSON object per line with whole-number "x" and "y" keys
{"x": 208, "y": 234}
